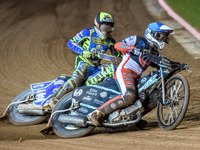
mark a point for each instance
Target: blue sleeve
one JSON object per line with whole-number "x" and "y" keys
{"x": 75, "y": 42}
{"x": 130, "y": 41}
{"x": 75, "y": 47}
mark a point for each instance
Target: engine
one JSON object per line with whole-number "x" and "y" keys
{"x": 127, "y": 114}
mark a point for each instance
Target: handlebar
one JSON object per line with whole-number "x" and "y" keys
{"x": 185, "y": 67}
{"x": 166, "y": 63}
{"x": 112, "y": 59}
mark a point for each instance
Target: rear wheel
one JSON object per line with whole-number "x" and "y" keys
{"x": 178, "y": 94}
{"x": 21, "y": 119}
{"x": 67, "y": 131}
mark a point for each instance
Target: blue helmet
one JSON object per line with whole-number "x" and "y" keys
{"x": 157, "y": 34}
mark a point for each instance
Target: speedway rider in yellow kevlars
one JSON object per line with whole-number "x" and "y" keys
{"x": 96, "y": 39}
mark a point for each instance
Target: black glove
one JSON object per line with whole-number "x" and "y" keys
{"x": 185, "y": 66}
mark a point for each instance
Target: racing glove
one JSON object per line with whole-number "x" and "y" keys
{"x": 86, "y": 54}
{"x": 185, "y": 66}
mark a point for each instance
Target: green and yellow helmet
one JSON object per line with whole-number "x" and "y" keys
{"x": 103, "y": 24}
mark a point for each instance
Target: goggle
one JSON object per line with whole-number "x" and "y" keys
{"x": 106, "y": 28}
{"x": 162, "y": 37}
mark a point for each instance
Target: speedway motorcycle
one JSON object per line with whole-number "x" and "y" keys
{"x": 164, "y": 88}
{"x": 33, "y": 106}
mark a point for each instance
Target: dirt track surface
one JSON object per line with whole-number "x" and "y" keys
{"x": 33, "y": 49}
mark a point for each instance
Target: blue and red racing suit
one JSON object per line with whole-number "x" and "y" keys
{"x": 133, "y": 64}
{"x": 84, "y": 67}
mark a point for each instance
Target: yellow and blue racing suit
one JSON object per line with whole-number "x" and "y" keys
{"x": 84, "y": 67}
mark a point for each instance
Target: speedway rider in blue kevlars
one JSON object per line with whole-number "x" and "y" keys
{"x": 133, "y": 64}
{"x": 96, "y": 39}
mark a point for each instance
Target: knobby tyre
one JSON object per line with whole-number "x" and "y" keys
{"x": 21, "y": 119}
{"x": 178, "y": 94}
{"x": 67, "y": 131}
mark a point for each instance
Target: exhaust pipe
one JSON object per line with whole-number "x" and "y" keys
{"x": 124, "y": 123}
{"x": 72, "y": 120}
{"x": 31, "y": 109}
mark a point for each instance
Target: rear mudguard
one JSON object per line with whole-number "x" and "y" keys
{"x": 44, "y": 90}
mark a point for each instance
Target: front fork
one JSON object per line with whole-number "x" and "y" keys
{"x": 164, "y": 102}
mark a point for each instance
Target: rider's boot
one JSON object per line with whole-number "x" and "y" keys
{"x": 95, "y": 116}
{"x": 52, "y": 102}
{"x": 49, "y": 106}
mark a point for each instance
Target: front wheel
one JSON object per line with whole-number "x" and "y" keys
{"x": 67, "y": 131}
{"x": 178, "y": 94}
{"x": 22, "y": 119}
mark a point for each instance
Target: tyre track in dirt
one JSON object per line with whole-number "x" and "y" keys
{"x": 33, "y": 36}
